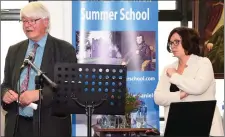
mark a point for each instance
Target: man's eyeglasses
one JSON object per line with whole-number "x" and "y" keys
{"x": 32, "y": 22}
{"x": 175, "y": 43}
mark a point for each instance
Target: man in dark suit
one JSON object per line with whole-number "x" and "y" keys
{"x": 135, "y": 57}
{"x": 22, "y": 120}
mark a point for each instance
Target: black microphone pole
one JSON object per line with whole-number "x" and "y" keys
{"x": 39, "y": 86}
{"x": 39, "y": 72}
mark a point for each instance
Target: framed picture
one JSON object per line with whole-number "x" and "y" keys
{"x": 208, "y": 20}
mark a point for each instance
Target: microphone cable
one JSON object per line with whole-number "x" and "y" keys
{"x": 18, "y": 105}
{"x": 30, "y": 57}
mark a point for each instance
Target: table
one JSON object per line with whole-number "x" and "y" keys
{"x": 121, "y": 131}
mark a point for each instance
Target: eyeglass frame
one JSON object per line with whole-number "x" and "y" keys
{"x": 32, "y": 21}
{"x": 175, "y": 43}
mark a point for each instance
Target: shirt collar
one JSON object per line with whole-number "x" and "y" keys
{"x": 191, "y": 60}
{"x": 41, "y": 42}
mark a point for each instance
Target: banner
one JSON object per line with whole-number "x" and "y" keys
{"x": 120, "y": 32}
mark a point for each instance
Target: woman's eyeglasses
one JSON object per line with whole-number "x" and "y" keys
{"x": 175, "y": 43}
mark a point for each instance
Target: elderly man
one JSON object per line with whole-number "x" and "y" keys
{"x": 21, "y": 120}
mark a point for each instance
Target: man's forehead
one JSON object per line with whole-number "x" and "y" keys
{"x": 25, "y": 17}
{"x": 139, "y": 36}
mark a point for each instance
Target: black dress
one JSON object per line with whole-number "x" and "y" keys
{"x": 174, "y": 88}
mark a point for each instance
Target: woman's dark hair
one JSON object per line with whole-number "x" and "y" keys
{"x": 190, "y": 40}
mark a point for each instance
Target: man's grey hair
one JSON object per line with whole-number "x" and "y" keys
{"x": 35, "y": 10}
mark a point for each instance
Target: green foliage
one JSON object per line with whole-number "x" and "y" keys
{"x": 132, "y": 102}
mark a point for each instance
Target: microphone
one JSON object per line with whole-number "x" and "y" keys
{"x": 30, "y": 57}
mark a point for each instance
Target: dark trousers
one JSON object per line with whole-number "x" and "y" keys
{"x": 25, "y": 127}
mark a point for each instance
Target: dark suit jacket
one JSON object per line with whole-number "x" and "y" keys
{"x": 56, "y": 50}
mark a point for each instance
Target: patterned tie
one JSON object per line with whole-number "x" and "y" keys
{"x": 25, "y": 82}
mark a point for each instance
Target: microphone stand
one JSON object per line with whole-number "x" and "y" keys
{"x": 39, "y": 78}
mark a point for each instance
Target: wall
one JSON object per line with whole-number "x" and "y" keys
{"x": 61, "y": 27}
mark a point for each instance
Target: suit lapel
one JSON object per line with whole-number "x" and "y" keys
{"x": 19, "y": 60}
{"x": 46, "y": 62}
{"x": 47, "y": 55}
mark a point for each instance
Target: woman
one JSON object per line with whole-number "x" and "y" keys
{"x": 191, "y": 78}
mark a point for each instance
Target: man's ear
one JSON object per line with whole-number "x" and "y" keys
{"x": 46, "y": 22}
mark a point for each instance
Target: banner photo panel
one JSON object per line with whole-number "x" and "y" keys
{"x": 120, "y": 33}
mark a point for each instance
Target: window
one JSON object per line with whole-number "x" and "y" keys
{"x": 10, "y": 10}
{"x": 12, "y": 4}
{"x": 189, "y": 24}
{"x": 164, "y": 28}
{"x": 167, "y": 5}
{"x": 7, "y": 39}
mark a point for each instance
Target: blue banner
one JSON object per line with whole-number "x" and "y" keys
{"x": 121, "y": 32}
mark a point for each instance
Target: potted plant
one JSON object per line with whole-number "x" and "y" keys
{"x": 132, "y": 103}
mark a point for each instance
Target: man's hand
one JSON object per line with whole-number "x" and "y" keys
{"x": 124, "y": 63}
{"x": 28, "y": 97}
{"x": 209, "y": 46}
{"x": 10, "y": 96}
{"x": 170, "y": 71}
{"x": 183, "y": 94}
